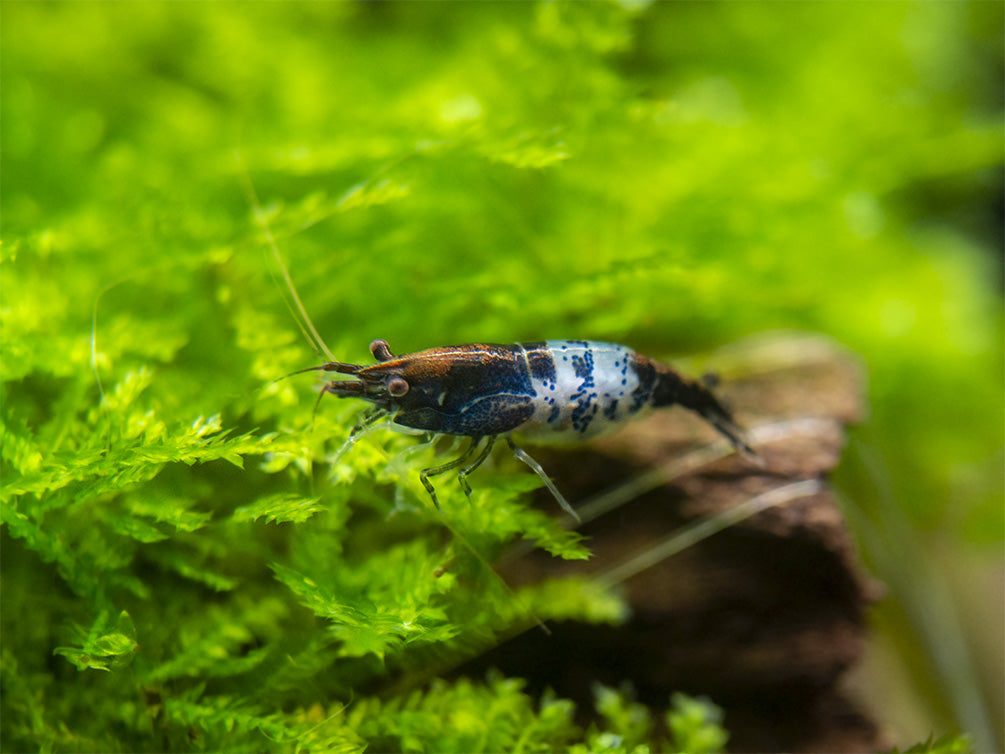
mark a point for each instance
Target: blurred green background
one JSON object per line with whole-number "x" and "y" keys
{"x": 674, "y": 176}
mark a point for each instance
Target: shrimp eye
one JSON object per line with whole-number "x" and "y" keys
{"x": 397, "y": 386}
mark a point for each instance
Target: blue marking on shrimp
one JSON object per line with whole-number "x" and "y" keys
{"x": 583, "y": 367}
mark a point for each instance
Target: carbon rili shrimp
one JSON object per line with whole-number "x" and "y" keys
{"x": 553, "y": 390}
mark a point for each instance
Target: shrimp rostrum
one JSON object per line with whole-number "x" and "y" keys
{"x": 546, "y": 391}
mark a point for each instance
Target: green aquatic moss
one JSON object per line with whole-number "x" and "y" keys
{"x": 181, "y": 567}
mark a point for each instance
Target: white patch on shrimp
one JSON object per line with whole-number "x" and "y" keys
{"x": 591, "y": 392}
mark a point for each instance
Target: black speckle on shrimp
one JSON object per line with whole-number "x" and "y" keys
{"x": 645, "y": 376}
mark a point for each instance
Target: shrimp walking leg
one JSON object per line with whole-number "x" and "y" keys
{"x": 463, "y": 473}
{"x": 522, "y": 455}
{"x": 434, "y": 471}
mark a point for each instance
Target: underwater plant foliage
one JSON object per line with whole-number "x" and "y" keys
{"x": 183, "y": 569}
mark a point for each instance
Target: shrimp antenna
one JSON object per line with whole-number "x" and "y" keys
{"x": 303, "y": 321}
{"x": 329, "y": 366}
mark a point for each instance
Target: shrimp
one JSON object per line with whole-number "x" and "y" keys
{"x": 544, "y": 391}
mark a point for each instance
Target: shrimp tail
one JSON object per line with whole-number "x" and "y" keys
{"x": 670, "y": 388}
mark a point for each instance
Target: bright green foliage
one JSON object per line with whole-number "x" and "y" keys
{"x": 104, "y": 651}
{"x": 670, "y": 175}
{"x": 464, "y": 716}
{"x": 627, "y": 724}
{"x": 626, "y": 727}
{"x": 696, "y": 726}
{"x": 947, "y": 744}
{"x": 280, "y": 507}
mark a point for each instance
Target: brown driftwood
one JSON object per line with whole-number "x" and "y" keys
{"x": 765, "y": 616}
